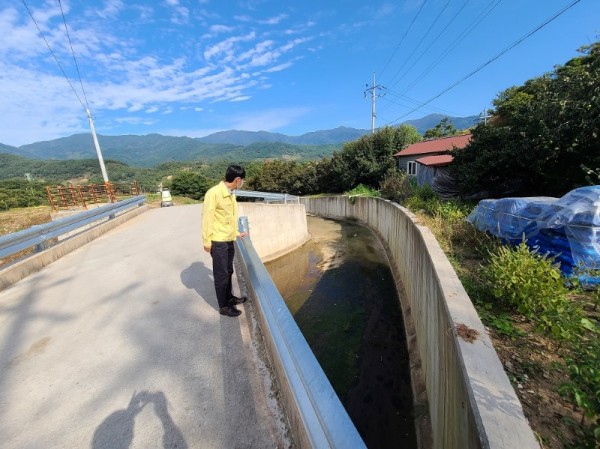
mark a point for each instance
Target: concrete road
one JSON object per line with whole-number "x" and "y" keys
{"x": 119, "y": 345}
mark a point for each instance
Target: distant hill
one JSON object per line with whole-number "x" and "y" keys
{"x": 153, "y": 149}
{"x": 328, "y": 137}
{"x": 7, "y": 148}
{"x": 429, "y": 121}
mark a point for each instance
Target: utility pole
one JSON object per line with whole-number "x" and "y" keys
{"x": 373, "y": 90}
{"x": 484, "y": 116}
{"x": 98, "y": 152}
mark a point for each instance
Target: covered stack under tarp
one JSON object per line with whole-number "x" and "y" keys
{"x": 566, "y": 228}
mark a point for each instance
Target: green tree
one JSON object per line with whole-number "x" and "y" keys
{"x": 283, "y": 176}
{"x": 444, "y": 128}
{"x": 190, "y": 184}
{"x": 22, "y": 193}
{"x": 540, "y": 134}
{"x": 368, "y": 159}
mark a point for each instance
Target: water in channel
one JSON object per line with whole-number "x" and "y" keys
{"x": 341, "y": 292}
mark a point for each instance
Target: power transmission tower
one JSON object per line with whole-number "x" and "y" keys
{"x": 373, "y": 91}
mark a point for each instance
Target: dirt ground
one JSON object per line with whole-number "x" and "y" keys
{"x": 535, "y": 367}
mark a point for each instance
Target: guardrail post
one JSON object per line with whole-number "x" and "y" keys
{"x": 40, "y": 247}
{"x": 243, "y": 224}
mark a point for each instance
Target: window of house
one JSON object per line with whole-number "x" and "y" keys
{"x": 411, "y": 167}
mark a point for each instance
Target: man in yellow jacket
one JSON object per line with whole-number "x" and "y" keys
{"x": 219, "y": 230}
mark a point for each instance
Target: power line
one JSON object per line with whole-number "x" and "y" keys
{"x": 421, "y": 41}
{"x": 455, "y": 43}
{"x": 53, "y": 54}
{"x": 403, "y": 37}
{"x": 435, "y": 39}
{"x": 412, "y": 102}
{"x": 528, "y": 35}
{"x": 73, "y": 53}
{"x": 86, "y": 109}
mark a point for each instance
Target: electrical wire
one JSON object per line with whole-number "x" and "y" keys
{"x": 421, "y": 41}
{"x": 53, "y": 54}
{"x": 73, "y": 53}
{"x": 528, "y": 35}
{"x": 474, "y": 24}
{"x": 412, "y": 101}
{"x": 435, "y": 39}
{"x": 403, "y": 37}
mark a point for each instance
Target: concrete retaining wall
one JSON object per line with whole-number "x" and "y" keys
{"x": 276, "y": 229}
{"x": 472, "y": 403}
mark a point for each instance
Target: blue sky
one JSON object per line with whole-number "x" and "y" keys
{"x": 194, "y": 67}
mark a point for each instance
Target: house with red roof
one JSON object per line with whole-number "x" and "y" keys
{"x": 428, "y": 161}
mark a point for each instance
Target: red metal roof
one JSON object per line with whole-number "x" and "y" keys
{"x": 435, "y": 145}
{"x": 435, "y": 161}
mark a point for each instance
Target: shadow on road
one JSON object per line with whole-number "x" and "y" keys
{"x": 199, "y": 277}
{"x": 117, "y": 430}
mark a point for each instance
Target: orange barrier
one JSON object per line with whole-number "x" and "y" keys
{"x": 82, "y": 195}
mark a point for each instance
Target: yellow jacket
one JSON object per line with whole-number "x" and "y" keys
{"x": 219, "y": 216}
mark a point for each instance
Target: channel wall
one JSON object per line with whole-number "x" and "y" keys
{"x": 471, "y": 401}
{"x": 276, "y": 229}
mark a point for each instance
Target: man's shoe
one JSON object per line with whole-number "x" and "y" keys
{"x": 229, "y": 311}
{"x": 234, "y": 300}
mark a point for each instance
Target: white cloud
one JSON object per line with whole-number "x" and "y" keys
{"x": 241, "y": 98}
{"x": 279, "y": 68}
{"x": 273, "y": 20}
{"x": 135, "y": 120}
{"x": 120, "y": 73}
{"x": 111, "y": 8}
{"x": 268, "y": 120}
{"x": 216, "y": 29}
{"x": 226, "y": 47}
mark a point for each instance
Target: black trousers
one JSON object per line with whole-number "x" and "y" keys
{"x": 222, "y": 256}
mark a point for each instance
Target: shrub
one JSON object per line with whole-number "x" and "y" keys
{"x": 362, "y": 190}
{"x": 533, "y": 285}
{"x": 396, "y": 186}
{"x": 423, "y": 198}
{"x": 192, "y": 185}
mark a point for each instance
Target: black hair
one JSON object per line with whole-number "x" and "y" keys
{"x": 234, "y": 171}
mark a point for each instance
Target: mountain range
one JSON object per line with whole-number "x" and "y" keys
{"x": 152, "y": 149}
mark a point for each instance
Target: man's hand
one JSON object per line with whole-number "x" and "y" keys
{"x": 242, "y": 235}
{"x": 207, "y": 249}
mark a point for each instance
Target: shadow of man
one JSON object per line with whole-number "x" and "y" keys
{"x": 200, "y": 278}
{"x": 117, "y": 431}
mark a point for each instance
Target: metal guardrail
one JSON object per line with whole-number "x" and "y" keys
{"x": 323, "y": 417}
{"x": 267, "y": 196}
{"x": 38, "y": 235}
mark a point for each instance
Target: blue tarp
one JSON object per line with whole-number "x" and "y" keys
{"x": 567, "y": 228}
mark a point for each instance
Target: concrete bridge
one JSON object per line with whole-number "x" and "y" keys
{"x": 119, "y": 344}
